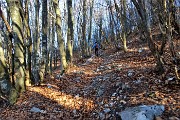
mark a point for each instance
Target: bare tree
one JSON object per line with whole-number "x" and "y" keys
{"x": 59, "y": 36}
{"x": 44, "y": 40}
{"x": 70, "y": 33}
{"x": 17, "y": 26}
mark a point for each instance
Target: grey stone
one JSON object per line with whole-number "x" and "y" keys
{"x": 78, "y": 79}
{"x": 114, "y": 94}
{"x": 130, "y": 73}
{"x": 142, "y": 112}
{"x": 101, "y": 116}
{"x": 106, "y": 105}
{"x": 111, "y": 104}
{"x": 49, "y": 86}
{"x": 140, "y": 50}
{"x": 74, "y": 111}
{"x": 137, "y": 81}
{"x": 77, "y": 96}
{"x": 107, "y": 110}
{"x": 100, "y": 92}
{"x": 171, "y": 78}
{"x": 37, "y": 110}
{"x": 109, "y": 67}
{"x": 59, "y": 76}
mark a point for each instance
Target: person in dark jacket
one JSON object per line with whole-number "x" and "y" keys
{"x": 96, "y": 47}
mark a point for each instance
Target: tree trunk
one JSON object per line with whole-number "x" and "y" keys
{"x": 6, "y": 87}
{"x": 44, "y": 40}
{"x": 84, "y": 42}
{"x": 111, "y": 17}
{"x": 29, "y": 43}
{"x": 169, "y": 36}
{"x": 19, "y": 68}
{"x": 100, "y": 29}
{"x": 59, "y": 36}
{"x": 18, "y": 43}
{"x": 146, "y": 25}
{"x": 52, "y": 50}
{"x": 123, "y": 21}
{"x": 49, "y": 44}
{"x": 36, "y": 44}
{"x": 70, "y": 33}
{"x": 163, "y": 24}
{"x": 90, "y": 27}
{"x": 124, "y": 25}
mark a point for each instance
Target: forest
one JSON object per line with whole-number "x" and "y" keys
{"x": 90, "y": 59}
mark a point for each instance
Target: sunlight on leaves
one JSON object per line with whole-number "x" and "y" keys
{"x": 67, "y": 101}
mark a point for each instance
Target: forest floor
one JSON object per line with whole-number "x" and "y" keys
{"x": 100, "y": 88}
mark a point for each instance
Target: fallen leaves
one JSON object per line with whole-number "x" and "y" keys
{"x": 99, "y": 88}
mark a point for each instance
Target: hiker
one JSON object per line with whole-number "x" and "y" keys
{"x": 96, "y": 47}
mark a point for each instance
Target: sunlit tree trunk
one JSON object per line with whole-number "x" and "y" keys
{"x": 124, "y": 25}
{"x": 44, "y": 40}
{"x": 123, "y": 21}
{"x": 59, "y": 35}
{"x": 52, "y": 39}
{"x": 8, "y": 52}
{"x": 49, "y": 42}
{"x": 19, "y": 76}
{"x": 6, "y": 88}
{"x": 70, "y": 33}
{"x": 29, "y": 43}
{"x": 4, "y": 76}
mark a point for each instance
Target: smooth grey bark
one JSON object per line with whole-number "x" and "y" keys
{"x": 17, "y": 26}
{"x": 70, "y": 33}
{"x": 44, "y": 41}
{"x": 84, "y": 42}
{"x": 59, "y": 36}
{"x": 90, "y": 26}
{"x": 29, "y": 44}
{"x": 18, "y": 53}
{"x": 6, "y": 86}
{"x": 36, "y": 45}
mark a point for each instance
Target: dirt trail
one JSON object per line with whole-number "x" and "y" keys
{"x": 98, "y": 88}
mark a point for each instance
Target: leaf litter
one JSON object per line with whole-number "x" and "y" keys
{"x": 99, "y": 88}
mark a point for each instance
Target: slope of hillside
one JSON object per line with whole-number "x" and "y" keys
{"x": 100, "y": 88}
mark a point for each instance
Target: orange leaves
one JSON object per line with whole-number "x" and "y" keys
{"x": 99, "y": 86}
{"x": 67, "y": 101}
